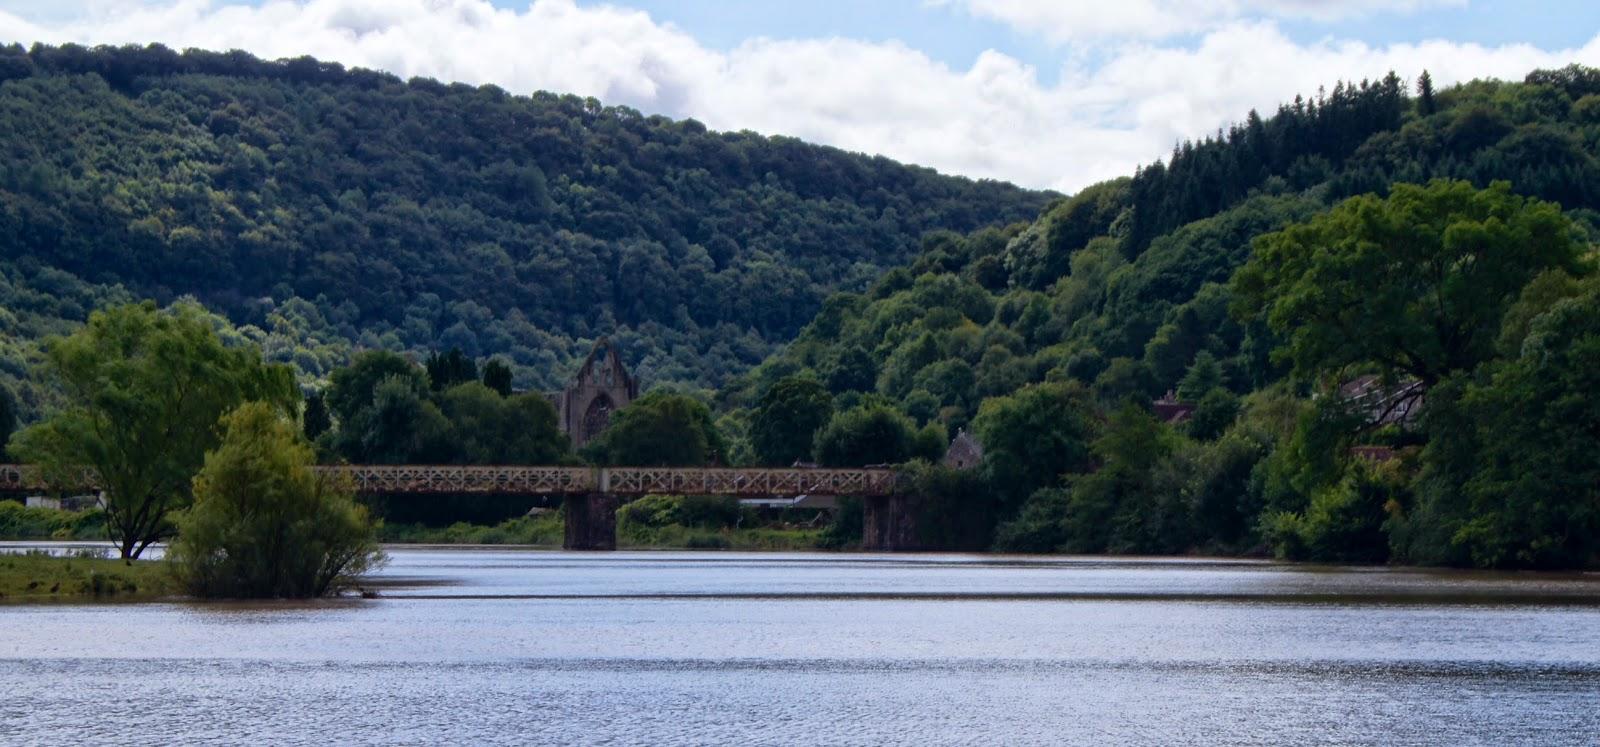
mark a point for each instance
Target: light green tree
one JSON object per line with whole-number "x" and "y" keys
{"x": 144, "y": 389}
{"x": 1416, "y": 283}
{"x": 263, "y": 523}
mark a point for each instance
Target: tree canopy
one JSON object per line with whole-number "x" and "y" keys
{"x": 263, "y": 523}
{"x": 1415, "y": 283}
{"x": 660, "y": 429}
{"x": 327, "y": 210}
{"x": 785, "y": 422}
{"x": 145, "y": 388}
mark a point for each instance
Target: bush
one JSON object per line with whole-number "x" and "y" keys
{"x": 20, "y": 522}
{"x": 707, "y": 541}
{"x": 659, "y": 511}
{"x": 1040, "y": 527}
{"x": 1345, "y": 521}
{"x": 263, "y": 525}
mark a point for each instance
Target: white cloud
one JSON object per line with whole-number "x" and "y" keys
{"x": 994, "y": 118}
{"x": 1081, "y": 20}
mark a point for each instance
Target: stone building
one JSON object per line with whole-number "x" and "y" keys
{"x": 964, "y": 453}
{"x": 602, "y": 386}
{"x": 1170, "y": 411}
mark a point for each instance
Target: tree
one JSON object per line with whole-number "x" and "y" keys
{"x": 400, "y": 426}
{"x": 872, "y": 433}
{"x": 8, "y": 418}
{"x": 1529, "y": 495}
{"x": 660, "y": 429}
{"x": 315, "y": 420}
{"x": 1204, "y": 375}
{"x": 497, "y": 376}
{"x": 1214, "y": 413}
{"x": 1415, "y": 284}
{"x": 263, "y": 524}
{"x": 450, "y": 369}
{"x": 785, "y": 422}
{"x": 855, "y": 371}
{"x": 1425, "y": 102}
{"x": 487, "y": 428}
{"x": 352, "y": 387}
{"x": 144, "y": 391}
{"x": 1034, "y": 436}
{"x": 1120, "y": 507}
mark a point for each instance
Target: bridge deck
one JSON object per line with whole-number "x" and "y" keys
{"x": 513, "y": 480}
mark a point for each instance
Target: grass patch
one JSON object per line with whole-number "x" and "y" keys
{"x": 35, "y": 576}
{"x": 545, "y": 529}
{"x": 18, "y": 522}
{"x": 674, "y": 536}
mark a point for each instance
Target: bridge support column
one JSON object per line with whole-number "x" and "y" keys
{"x": 591, "y": 522}
{"x": 888, "y": 524}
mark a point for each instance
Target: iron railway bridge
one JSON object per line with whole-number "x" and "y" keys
{"x": 591, "y": 494}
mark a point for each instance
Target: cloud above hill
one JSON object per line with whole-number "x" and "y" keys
{"x": 1157, "y": 19}
{"x": 993, "y": 118}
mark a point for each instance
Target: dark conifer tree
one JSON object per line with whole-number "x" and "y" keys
{"x": 315, "y": 421}
{"x": 497, "y": 376}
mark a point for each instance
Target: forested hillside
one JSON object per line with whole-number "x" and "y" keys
{"x": 324, "y": 209}
{"x": 1051, "y": 339}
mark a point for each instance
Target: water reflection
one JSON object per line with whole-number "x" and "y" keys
{"x": 515, "y": 647}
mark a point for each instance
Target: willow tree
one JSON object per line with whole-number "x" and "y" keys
{"x": 145, "y": 388}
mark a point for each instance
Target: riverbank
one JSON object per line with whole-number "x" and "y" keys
{"x": 548, "y": 531}
{"x": 39, "y": 577}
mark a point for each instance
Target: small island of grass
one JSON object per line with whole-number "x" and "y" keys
{"x": 37, "y": 576}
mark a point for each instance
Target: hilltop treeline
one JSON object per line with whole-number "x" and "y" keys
{"x": 1132, "y": 288}
{"x": 324, "y": 209}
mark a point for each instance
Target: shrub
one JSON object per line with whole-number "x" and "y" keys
{"x": 263, "y": 524}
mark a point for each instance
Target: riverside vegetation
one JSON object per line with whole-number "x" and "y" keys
{"x": 1439, "y": 246}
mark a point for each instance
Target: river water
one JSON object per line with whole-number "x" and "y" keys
{"x": 470, "y": 646}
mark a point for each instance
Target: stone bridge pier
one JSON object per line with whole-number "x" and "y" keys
{"x": 591, "y": 521}
{"x": 889, "y": 524}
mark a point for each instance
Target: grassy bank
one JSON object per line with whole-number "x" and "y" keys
{"x": 34, "y": 576}
{"x": 18, "y": 522}
{"x": 523, "y": 530}
{"x": 548, "y": 530}
{"x": 694, "y": 538}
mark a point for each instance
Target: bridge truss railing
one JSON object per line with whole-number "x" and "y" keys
{"x": 518, "y": 480}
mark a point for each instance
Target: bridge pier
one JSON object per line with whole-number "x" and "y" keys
{"x": 591, "y": 521}
{"x": 888, "y": 524}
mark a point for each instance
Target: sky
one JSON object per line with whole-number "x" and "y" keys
{"x": 1054, "y": 94}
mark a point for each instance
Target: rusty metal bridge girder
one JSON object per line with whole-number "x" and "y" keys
{"x": 514, "y": 480}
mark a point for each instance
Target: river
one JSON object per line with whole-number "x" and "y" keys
{"x": 471, "y": 646}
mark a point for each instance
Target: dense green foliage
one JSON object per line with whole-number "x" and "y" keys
{"x": 1134, "y": 287}
{"x": 144, "y": 390}
{"x": 19, "y": 522}
{"x": 324, "y": 209}
{"x": 263, "y": 523}
{"x": 874, "y": 433}
{"x": 8, "y": 419}
{"x": 786, "y": 420}
{"x": 1432, "y": 254}
{"x": 1415, "y": 284}
{"x": 390, "y": 411}
{"x": 660, "y": 429}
